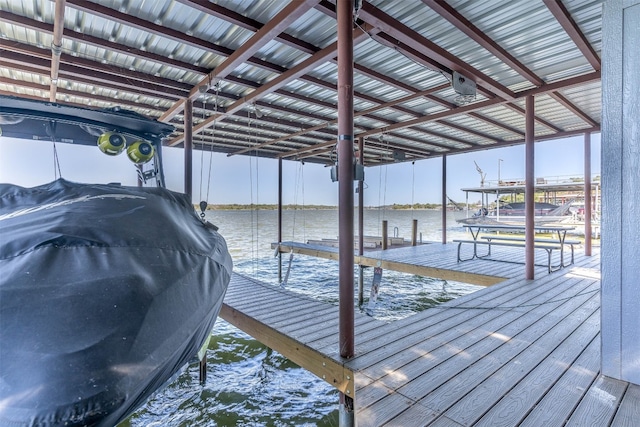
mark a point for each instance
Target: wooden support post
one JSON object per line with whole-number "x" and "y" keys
{"x": 414, "y": 233}
{"x": 188, "y": 148}
{"x": 385, "y": 233}
{"x": 587, "y": 194}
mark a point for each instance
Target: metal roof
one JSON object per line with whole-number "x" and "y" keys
{"x": 281, "y": 100}
{"x": 519, "y": 188}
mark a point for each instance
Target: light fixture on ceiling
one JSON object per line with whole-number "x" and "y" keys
{"x": 464, "y": 87}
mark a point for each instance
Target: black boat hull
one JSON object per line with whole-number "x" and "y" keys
{"x": 105, "y": 292}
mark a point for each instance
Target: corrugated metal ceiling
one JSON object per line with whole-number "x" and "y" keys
{"x": 148, "y": 55}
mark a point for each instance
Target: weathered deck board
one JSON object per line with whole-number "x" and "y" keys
{"x": 443, "y": 342}
{"x": 528, "y": 391}
{"x": 520, "y": 352}
{"x": 629, "y": 412}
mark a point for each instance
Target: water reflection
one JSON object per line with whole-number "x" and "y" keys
{"x": 250, "y": 385}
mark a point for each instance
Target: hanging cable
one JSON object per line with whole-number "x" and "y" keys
{"x": 204, "y": 109}
{"x": 304, "y": 216}
{"x": 252, "y": 207}
{"x": 257, "y": 199}
{"x": 413, "y": 182}
{"x": 213, "y": 136}
{"x": 50, "y": 129}
{"x": 204, "y": 203}
{"x": 57, "y": 173}
{"x": 295, "y": 199}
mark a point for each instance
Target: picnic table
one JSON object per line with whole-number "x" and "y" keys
{"x": 549, "y": 244}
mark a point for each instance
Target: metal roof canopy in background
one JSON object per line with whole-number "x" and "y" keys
{"x": 576, "y": 187}
{"x": 263, "y": 73}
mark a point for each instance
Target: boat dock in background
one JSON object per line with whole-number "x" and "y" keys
{"x": 520, "y": 352}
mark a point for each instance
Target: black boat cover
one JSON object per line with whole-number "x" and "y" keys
{"x": 105, "y": 292}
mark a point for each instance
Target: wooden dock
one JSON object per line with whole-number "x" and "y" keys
{"x": 516, "y": 353}
{"x": 433, "y": 260}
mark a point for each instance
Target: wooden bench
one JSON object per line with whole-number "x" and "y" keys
{"x": 569, "y": 242}
{"x": 549, "y": 247}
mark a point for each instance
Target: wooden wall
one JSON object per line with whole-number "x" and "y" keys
{"x": 621, "y": 190}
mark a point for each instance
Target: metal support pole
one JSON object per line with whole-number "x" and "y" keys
{"x": 188, "y": 147}
{"x": 344, "y": 11}
{"x": 529, "y": 187}
{"x": 361, "y": 224}
{"x": 444, "y": 200}
{"x": 279, "y": 218}
{"x": 587, "y": 194}
{"x": 498, "y": 193}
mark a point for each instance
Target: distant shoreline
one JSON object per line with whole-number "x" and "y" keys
{"x": 266, "y": 207}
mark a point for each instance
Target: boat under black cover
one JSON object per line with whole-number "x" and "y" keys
{"x": 105, "y": 292}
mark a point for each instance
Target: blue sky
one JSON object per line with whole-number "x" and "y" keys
{"x": 242, "y": 179}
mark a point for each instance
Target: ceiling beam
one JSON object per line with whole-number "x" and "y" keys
{"x": 232, "y": 17}
{"x": 90, "y": 40}
{"x": 284, "y": 78}
{"x": 573, "y": 108}
{"x": 474, "y": 33}
{"x": 98, "y": 73}
{"x": 496, "y": 123}
{"x": 35, "y": 25}
{"x": 536, "y": 118}
{"x": 355, "y": 114}
{"x": 164, "y": 32}
{"x": 585, "y": 78}
{"x": 281, "y": 21}
{"x": 563, "y": 17}
{"x": 417, "y": 41}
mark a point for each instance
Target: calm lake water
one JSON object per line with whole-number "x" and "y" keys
{"x": 250, "y": 385}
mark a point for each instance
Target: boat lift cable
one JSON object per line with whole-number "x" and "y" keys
{"x": 257, "y": 211}
{"x": 377, "y": 271}
{"x": 213, "y": 136}
{"x": 205, "y": 202}
{"x": 51, "y": 130}
{"x": 254, "y": 255}
{"x": 56, "y": 162}
{"x": 413, "y": 181}
{"x": 299, "y": 183}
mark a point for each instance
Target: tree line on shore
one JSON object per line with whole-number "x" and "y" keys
{"x": 263, "y": 206}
